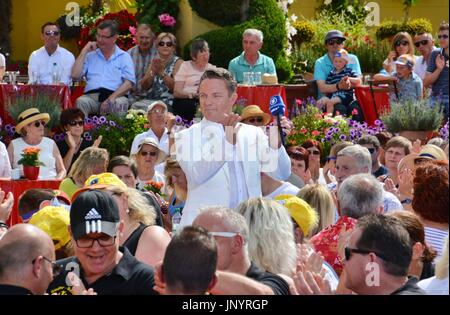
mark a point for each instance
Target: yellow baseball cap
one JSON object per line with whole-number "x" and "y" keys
{"x": 302, "y": 213}
{"x": 100, "y": 181}
{"x": 55, "y": 222}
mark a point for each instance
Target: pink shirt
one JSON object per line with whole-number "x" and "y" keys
{"x": 191, "y": 76}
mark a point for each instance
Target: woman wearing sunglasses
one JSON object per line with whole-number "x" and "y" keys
{"x": 160, "y": 80}
{"x": 30, "y": 125}
{"x": 401, "y": 44}
{"x": 72, "y": 123}
{"x": 315, "y": 153}
{"x": 187, "y": 80}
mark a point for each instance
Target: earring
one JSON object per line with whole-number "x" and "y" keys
{"x": 127, "y": 211}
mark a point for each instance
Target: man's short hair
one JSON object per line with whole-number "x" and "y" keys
{"x": 385, "y": 236}
{"x": 369, "y": 140}
{"x": 443, "y": 26}
{"x": 359, "y": 195}
{"x": 49, "y": 24}
{"x": 122, "y": 160}
{"x": 428, "y": 35}
{"x": 31, "y": 199}
{"x": 145, "y": 27}
{"x": 190, "y": 261}
{"x": 361, "y": 155}
{"x": 111, "y": 24}
{"x": 254, "y": 32}
{"x": 221, "y": 74}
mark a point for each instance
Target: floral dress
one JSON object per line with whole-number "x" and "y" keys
{"x": 159, "y": 90}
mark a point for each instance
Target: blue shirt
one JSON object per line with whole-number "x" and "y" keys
{"x": 239, "y": 65}
{"x": 109, "y": 74}
{"x": 440, "y": 86}
{"x": 408, "y": 88}
{"x": 324, "y": 65}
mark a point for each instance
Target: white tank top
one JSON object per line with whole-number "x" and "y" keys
{"x": 45, "y": 156}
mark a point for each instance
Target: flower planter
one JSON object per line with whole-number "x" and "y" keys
{"x": 423, "y": 136}
{"x": 31, "y": 172}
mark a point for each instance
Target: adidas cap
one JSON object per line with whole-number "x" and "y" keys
{"x": 94, "y": 211}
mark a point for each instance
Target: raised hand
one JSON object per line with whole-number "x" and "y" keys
{"x": 440, "y": 62}
{"x": 6, "y": 205}
{"x": 70, "y": 140}
{"x": 230, "y": 123}
{"x": 78, "y": 286}
{"x": 97, "y": 141}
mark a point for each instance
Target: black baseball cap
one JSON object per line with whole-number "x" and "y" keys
{"x": 94, "y": 211}
{"x": 334, "y": 34}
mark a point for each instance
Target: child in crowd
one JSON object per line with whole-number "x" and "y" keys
{"x": 340, "y": 70}
{"x": 406, "y": 85}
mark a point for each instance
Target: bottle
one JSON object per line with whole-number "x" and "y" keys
{"x": 176, "y": 219}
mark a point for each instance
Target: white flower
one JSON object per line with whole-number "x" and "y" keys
{"x": 294, "y": 17}
{"x": 350, "y": 8}
{"x": 129, "y": 116}
{"x": 327, "y": 2}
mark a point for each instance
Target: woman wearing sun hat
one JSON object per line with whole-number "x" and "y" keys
{"x": 30, "y": 126}
{"x": 253, "y": 115}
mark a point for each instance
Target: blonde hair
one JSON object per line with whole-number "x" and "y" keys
{"x": 139, "y": 209}
{"x": 270, "y": 225}
{"x": 442, "y": 266}
{"x": 171, "y": 165}
{"x": 87, "y": 161}
{"x": 319, "y": 198}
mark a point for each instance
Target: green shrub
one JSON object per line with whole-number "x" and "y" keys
{"x": 388, "y": 29}
{"x": 355, "y": 15}
{"x": 305, "y": 32}
{"x": 149, "y": 10}
{"x": 417, "y": 26}
{"x": 222, "y": 13}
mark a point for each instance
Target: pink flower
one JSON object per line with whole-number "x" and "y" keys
{"x": 298, "y": 102}
{"x": 303, "y": 130}
{"x": 354, "y": 112}
{"x": 167, "y": 20}
{"x": 132, "y": 30}
{"x": 315, "y": 133}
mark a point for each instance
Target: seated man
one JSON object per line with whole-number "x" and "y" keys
{"x": 251, "y": 60}
{"x": 50, "y": 64}
{"x": 109, "y": 72}
{"x": 334, "y": 41}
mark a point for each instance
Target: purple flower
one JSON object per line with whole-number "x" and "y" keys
{"x": 88, "y": 138}
{"x": 88, "y": 121}
{"x": 377, "y": 122}
{"x": 178, "y": 120}
{"x": 112, "y": 123}
{"x": 86, "y": 135}
{"x": 342, "y": 137}
{"x": 8, "y": 127}
{"x": 95, "y": 119}
{"x": 327, "y": 138}
{"x": 336, "y": 130}
{"x": 102, "y": 120}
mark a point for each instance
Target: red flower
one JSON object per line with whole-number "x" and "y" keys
{"x": 315, "y": 133}
{"x": 354, "y": 112}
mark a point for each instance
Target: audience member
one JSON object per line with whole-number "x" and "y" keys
{"x": 34, "y": 199}
{"x": 373, "y": 145}
{"x": 402, "y": 44}
{"x": 147, "y": 156}
{"x": 424, "y": 43}
{"x": 5, "y": 164}
{"x": 438, "y": 285}
{"x": 2, "y": 66}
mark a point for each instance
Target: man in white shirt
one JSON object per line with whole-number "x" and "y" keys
{"x": 221, "y": 157}
{"x": 2, "y": 66}
{"x": 425, "y": 45}
{"x": 50, "y": 64}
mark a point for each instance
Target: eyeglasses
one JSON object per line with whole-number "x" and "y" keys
{"x": 151, "y": 153}
{"x": 335, "y": 41}
{"x": 401, "y": 42}
{"x": 254, "y": 120}
{"x": 443, "y": 36}
{"x": 56, "y": 269}
{"x": 314, "y": 152}
{"x": 74, "y": 123}
{"x": 348, "y": 253}
{"x": 103, "y": 241}
{"x": 421, "y": 42}
{"x": 223, "y": 234}
{"x": 168, "y": 44}
{"x": 52, "y": 33}
{"x": 103, "y": 36}
{"x": 371, "y": 150}
{"x": 38, "y": 123}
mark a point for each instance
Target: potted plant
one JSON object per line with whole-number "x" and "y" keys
{"x": 30, "y": 162}
{"x": 413, "y": 119}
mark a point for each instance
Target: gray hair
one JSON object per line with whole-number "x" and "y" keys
{"x": 254, "y": 32}
{"x": 232, "y": 220}
{"x": 439, "y": 142}
{"x": 361, "y": 155}
{"x": 359, "y": 195}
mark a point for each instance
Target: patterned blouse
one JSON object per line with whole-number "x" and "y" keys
{"x": 159, "y": 90}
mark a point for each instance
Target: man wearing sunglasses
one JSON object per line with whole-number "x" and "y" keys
{"x": 373, "y": 145}
{"x": 437, "y": 71}
{"x": 51, "y": 59}
{"x": 27, "y": 262}
{"x": 99, "y": 261}
{"x": 109, "y": 73}
{"x": 424, "y": 45}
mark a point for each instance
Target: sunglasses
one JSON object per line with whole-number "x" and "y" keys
{"x": 401, "y": 42}
{"x": 335, "y": 41}
{"x": 443, "y": 36}
{"x": 349, "y": 251}
{"x": 145, "y": 153}
{"x": 314, "y": 152}
{"x": 253, "y": 120}
{"x": 79, "y": 123}
{"x": 421, "y": 42}
{"x": 52, "y": 33}
{"x": 168, "y": 44}
{"x": 371, "y": 150}
{"x": 38, "y": 123}
{"x": 331, "y": 158}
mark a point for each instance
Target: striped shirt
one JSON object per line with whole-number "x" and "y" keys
{"x": 436, "y": 239}
{"x": 335, "y": 77}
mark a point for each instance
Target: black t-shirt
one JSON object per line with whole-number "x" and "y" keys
{"x": 64, "y": 148}
{"x": 129, "y": 277}
{"x": 276, "y": 283}
{"x": 381, "y": 171}
{"x": 6, "y": 289}
{"x": 409, "y": 288}
{"x": 133, "y": 240}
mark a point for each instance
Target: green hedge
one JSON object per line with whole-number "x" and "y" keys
{"x": 265, "y": 15}
{"x": 388, "y": 29}
{"x": 222, "y": 13}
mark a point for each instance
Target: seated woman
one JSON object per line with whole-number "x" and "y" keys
{"x": 147, "y": 156}
{"x": 402, "y": 43}
{"x": 30, "y": 126}
{"x": 315, "y": 153}
{"x": 300, "y": 164}
{"x": 187, "y": 80}
{"x": 91, "y": 161}
{"x": 72, "y": 122}
{"x": 159, "y": 79}
{"x": 5, "y": 165}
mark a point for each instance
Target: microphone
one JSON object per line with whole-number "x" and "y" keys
{"x": 277, "y": 109}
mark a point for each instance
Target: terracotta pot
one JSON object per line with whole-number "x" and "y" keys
{"x": 31, "y": 172}
{"x": 423, "y": 136}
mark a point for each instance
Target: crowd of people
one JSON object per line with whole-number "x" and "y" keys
{"x": 239, "y": 213}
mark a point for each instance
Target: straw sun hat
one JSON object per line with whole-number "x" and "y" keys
{"x": 30, "y": 115}
{"x": 255, "y": 111}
